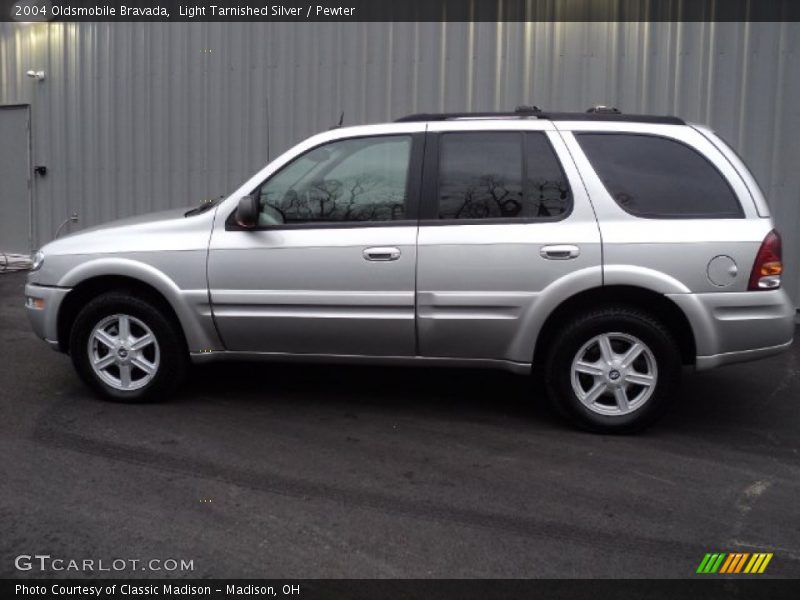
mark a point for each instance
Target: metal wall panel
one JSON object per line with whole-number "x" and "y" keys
{"x": 139, "y": 116}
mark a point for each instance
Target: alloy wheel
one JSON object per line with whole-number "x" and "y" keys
{"x": 124, "y": 352}
{"x": 614, "y": 374}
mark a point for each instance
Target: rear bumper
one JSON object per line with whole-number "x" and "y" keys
{"x": 703, "y": 363}
{"x": 41, "y": 305}
{"x": 738, "y": 326}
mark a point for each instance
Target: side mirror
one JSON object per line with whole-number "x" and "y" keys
{"x": 247, "y": 212}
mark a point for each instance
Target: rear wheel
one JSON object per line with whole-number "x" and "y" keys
{"x": 613, "y": 370}
{"x": 126, "y": 349}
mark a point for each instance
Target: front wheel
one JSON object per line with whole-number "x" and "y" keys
{"x": 613, "y": 370}
{"x": 126, "y": 349}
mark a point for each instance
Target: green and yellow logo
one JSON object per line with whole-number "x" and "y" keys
{"x": 734, "y": 562}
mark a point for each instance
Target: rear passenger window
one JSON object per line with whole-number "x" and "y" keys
{"x": 500, "y": 175}
{"x": 650, "y": 176}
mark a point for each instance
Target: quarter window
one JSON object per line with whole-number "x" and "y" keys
{"x": 500, "y": 175}
{"x": 650, "y": 176}
{"x": 353, "y": 180}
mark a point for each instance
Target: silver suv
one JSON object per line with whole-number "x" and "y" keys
{"x": 605, "y": 251}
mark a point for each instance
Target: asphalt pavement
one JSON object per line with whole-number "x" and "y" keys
{"x": 260, "y": 470}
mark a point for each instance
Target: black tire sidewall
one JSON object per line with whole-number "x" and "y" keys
{"x": 172, "y": 350}
{"x": 580, "y": 331}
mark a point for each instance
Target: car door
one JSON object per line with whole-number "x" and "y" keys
{"x": 504, "y": 219}
{"x": 331, "y": 267}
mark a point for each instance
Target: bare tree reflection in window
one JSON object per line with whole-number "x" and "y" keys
{"x": 359, "y": 179}
{"x": 363, "y": 198}
{"x": 488, "y": 197}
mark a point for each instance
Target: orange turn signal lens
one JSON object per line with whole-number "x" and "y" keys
{"x": 771, "y": 268}
{"x": 37, "y": 303}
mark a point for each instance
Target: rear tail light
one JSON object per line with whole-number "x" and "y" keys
{"x": 766, "y": 273}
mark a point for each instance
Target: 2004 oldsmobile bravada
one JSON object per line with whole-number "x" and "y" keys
{"x": 606, "y": 250}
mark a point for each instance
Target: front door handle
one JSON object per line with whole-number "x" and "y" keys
{"x": 559, "y": 252}
{"x": 382, "y": 254}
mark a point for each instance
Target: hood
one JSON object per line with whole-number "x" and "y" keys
{"x": 165, "y": 230}
{"x": 153, "y": 217}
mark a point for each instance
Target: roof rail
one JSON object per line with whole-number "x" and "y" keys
{"x": 613, "y": 115}
{"x": 520, "y": 111}
{"x": 596, "y": 113}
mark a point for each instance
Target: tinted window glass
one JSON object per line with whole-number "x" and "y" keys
{"x": 360, "y": 179}
{"x": 652, "y": 176}
{"x": 547, "y": 191}
{"x": 483, "y": 176}
{"x": 480, "y": 175}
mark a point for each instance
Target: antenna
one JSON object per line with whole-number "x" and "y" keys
{"x": 341, "y": 120}
{"x": 266, "y": 117}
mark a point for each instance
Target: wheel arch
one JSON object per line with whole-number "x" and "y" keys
{"x": 92, "y": 287}
{"x": 89, "y": 279}
{"x": 655, "y": 303}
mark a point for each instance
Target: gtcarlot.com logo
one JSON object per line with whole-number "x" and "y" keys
{"x": 734, "y": 563}
{"x": 45, "y": 562}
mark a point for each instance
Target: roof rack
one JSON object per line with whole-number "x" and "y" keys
{"x": 602, "y": 108}
{"x": 595, "y": 113}
{"x": 520, "y": 111}
{"x": 613, "y": 115}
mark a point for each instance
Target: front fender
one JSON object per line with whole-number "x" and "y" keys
{"x": 190, "y": 305}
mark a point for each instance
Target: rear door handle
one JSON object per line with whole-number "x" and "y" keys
{"x": 559, "y": 252}
{"x": 382, "y": 254}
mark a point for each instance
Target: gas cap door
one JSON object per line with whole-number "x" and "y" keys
{"x": 722, "y": 270}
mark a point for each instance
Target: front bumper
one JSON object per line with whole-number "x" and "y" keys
{"x": 42, "y": 304}
{"x": 733, "y": 327}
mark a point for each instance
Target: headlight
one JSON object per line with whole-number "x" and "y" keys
{"x": 38, "y": 261}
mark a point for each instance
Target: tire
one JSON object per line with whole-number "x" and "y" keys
{"x": 95, "y": 338}
{"x": 588, "y": 378}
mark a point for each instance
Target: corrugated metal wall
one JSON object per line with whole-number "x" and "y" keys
{"x": 139, "y": 116}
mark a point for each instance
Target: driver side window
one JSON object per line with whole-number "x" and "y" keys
{"x": 353, "y": 180}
